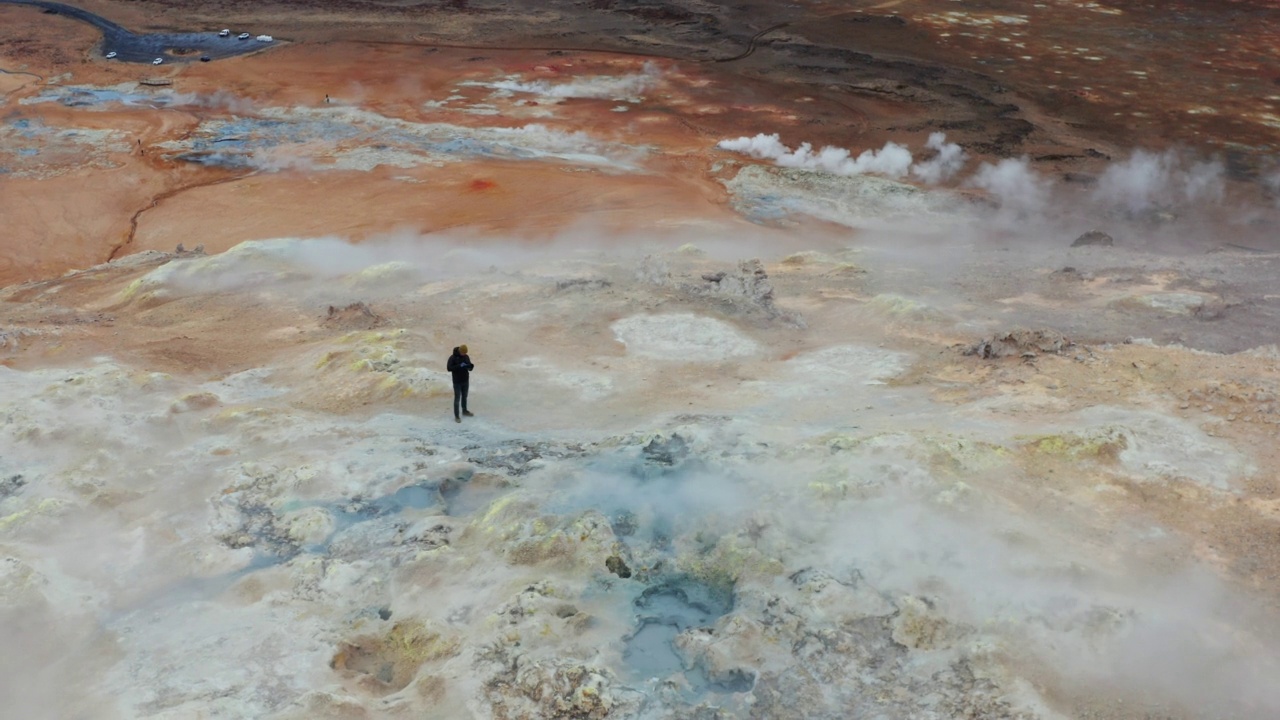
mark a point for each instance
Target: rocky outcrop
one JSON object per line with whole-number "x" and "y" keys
{"x": 747, "y": 289}
{"x": 1020, "y": 343}
{"x": 743, "y": 290}
{"x": 356, "y": 316}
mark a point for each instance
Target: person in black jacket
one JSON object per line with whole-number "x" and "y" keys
{"x": 461, "y": 367}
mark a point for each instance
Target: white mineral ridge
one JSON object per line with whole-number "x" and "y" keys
{"x": 245, "y": 386}
{"x": 850, "y": 363}
{"x": 1163, "y": 447}
{"x": 264, "y": 264}
{"x": 854, "y": 201}
{"x": 1156, "y": 447}
{"x": 845, "y": 373}
{"x": 1174, "y": 303}
{"x": 252, "y": 262}
{"x": 682, "y": 337}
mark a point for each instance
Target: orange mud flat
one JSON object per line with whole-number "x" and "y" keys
{"x": 1066, "y": 84}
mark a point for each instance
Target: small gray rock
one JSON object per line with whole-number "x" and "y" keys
{"x": 1094, "y": 237}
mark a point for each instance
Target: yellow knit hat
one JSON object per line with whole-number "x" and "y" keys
{"x": 462, "y": 349}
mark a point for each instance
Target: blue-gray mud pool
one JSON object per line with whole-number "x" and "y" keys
{"x": 663, "y": 611}
{"x": 146, "y": 47}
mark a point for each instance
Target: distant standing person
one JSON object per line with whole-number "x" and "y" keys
{"x": 460, "y": 365}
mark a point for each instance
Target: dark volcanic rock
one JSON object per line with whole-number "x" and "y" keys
{"x": 618, "y": 566}
{"x": 11, "y": 486}
{"x": 666, "y": 451}
{"x": 517, "y": 457}
{"x": 1094, "y": 237}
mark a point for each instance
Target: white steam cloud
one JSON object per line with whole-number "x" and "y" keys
{"x": 1142, "y": 183}
{"x": 892, "y": 160}
{"x": 1272, "y": 184}
{"x": 1014, "y": 184}
{"x": 947, "y": 161}
{"x": 1148, "y": 180}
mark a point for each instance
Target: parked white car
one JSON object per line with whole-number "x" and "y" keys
{"x": 265, "y": 38}
{"x": 112, "y": 54}
{"x": 224, "y": 32}
{"x": 242, "y": 36}
{"x": 157, "y": 61}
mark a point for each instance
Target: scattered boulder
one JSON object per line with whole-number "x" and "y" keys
{"x": 11, "y": 485}
{"x": 618, "y": 566}
{"x": 750, "y": 283}
{"x": 1020, "y": 343}
{"x": 1094, "y": 237}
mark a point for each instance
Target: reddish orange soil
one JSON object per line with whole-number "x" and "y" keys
{"x": 1066, "y": 83}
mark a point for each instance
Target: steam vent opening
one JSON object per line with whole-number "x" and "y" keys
{"x": 617, "y": 361}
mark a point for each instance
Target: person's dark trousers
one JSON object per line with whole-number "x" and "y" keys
{"x": 460, "y": 395}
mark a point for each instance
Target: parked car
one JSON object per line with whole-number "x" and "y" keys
{"x": 265, "y": 38}
{"x": 224, "y": 32}
{"x": 242, "y": 36}
{"x": 205, "y": 58}
{"x": 112, "y": 54}
{"x": 157, "y": 61}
